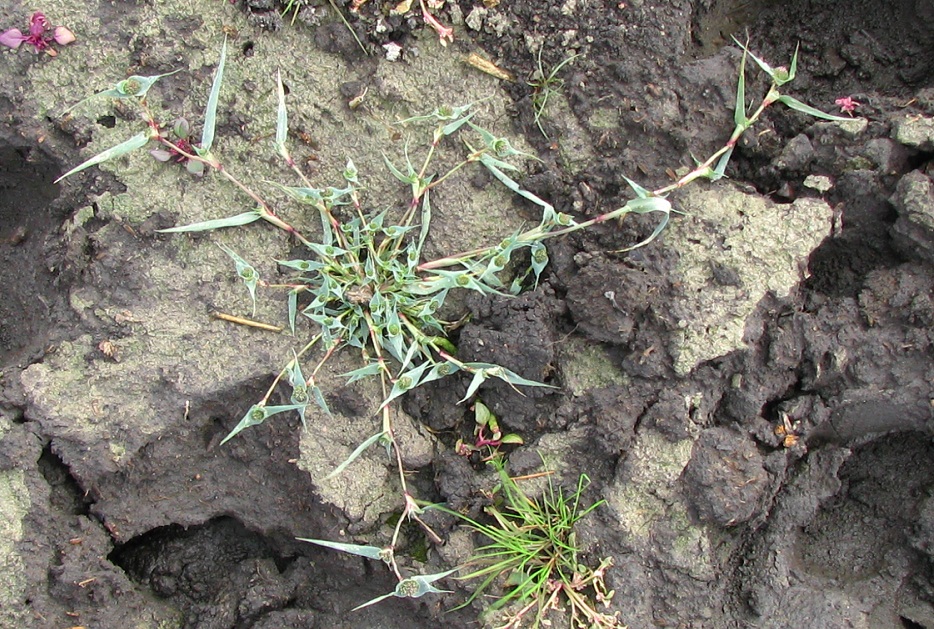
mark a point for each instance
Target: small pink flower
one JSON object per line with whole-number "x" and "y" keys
{"x": 41, "y": 35}
{"x": 444, "y": 33}
{"x": 847, "y": 104}
{"x": 38, "y": 24}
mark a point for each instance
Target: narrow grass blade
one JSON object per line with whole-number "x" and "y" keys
{"x": 370, "y": 552}
{"x": 293, "y": 309}
{"x": 548, "y": 210}
{"x": 256, "y": 416}
{"x": 739, "y": 113}
{"x": 794, "y": 64}
{"x": 363, "y": 372}
{"x": 718, "y": 172}
{"x": 513, "y": 378}
{"x": 318, "y": 397}
{"x": 479, "y": 377}
{"x": 426, "y": 224}
{"x": 306, "y": 266}
{"x": 410, "y": 178}
{"x": 311, "y": 196}
{"x": 349, "y": 28}
{"x": 762, "y": 64}
{"x": 231, "y": 221}
{"x": 797, "y": 105}
{"x": 353, "y": 457}
{"x": 644, "y": 206}
{"x": 137, "y": 141}
{"x": 451, "y": 127}
{"x": 282, "y": 116}
{"x": 648, "y": 205}
{"x": 641, "y": 192}
{"x": 374, "y": 601}
{"x": 210, "y": 112}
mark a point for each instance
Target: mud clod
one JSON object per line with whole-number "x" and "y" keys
{"x": 725, "y": 478}
{"x": 28, "y": 223}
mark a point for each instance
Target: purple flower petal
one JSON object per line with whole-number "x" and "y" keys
{"x": 63, "y": 36}
{"x": 38, "y": 24}
{"x": 12, "y": 38}
{"x": 195, "y": 168}
{"x": 161, "y": 155}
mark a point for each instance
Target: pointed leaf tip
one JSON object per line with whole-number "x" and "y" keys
{"x": 210, "y": 112}
{"x": 137, "y": 141}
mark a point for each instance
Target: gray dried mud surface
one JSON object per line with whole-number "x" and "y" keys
{"x": 751, "y": 394}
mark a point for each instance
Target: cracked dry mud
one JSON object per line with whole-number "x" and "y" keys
{"x": 779, "y": 298}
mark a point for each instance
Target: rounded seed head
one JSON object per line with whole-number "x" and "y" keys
{"x": 248, "y": 273}
{"x": 407, "y": 587}
{"x": 258, "y": 414}
{"x": 129, "y": 86}
{"x": 300, "y": 394}
{"x": 462, "y": 280}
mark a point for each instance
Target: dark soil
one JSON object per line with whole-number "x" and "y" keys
{"x": 833, "y": 527}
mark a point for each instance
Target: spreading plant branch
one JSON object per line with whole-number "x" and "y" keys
{"x": 363, "y": 283}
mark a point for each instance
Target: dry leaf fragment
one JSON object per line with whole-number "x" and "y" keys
{"x": 489, "y": 67}
{"x": 109, "y": 349}
{"x": 403, "y": 7}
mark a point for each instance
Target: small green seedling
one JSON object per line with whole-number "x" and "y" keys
{"x": 487, "y": 435}
{"x": 544, "y": 85}
{"x": 530, "y": 564}
{"x": 293, "y": 7}
{"x": 409, "y": 587}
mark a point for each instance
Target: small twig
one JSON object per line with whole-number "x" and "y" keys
{"x": 349, "y": 28}
{"x": 247, "y": 322}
